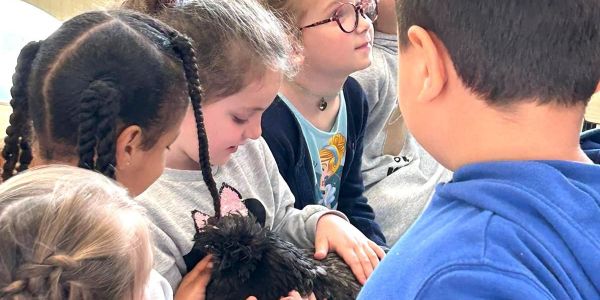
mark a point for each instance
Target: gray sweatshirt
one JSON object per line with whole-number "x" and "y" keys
{"x": 399, "y": 175}
{"x": 250, "y": 173}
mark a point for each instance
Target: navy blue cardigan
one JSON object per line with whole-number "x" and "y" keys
{"x": 283, "y": 134}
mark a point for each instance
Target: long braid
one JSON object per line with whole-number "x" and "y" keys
{"x": 183, "y": 46}
{"x": 99, "y": 110}
{"x": 16, "y": 144}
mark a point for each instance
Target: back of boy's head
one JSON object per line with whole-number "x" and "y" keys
{"x": 69, "y": 233}
{"x": 513, "y": 50}
{"x": 99, "y": 73}
{"x": 236, "y": 41}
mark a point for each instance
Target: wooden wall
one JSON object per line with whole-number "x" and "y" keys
{"x": 65, "y": 9}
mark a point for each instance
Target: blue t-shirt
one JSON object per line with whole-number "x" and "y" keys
{"x": 327, "y": 152}
{"x": 501, "y": 230}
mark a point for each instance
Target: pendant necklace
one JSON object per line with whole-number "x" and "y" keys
{"x": 322, "y": 104}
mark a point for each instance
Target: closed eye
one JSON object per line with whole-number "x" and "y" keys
{"x": 239, "y": 121}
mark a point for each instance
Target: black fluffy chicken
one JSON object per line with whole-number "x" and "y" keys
{"x": 250, "y": 260}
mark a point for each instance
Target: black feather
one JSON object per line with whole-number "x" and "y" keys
{"x": 250, "y": 260}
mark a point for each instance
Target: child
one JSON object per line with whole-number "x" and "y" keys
{"x": 68, "y": 233}
{"x": 399, "y": 175}
{"x": 316, "y": 124}
{"x": 496, "y": 90}
{"x": 243, "y": 51}
{"x": 106, "y": 92}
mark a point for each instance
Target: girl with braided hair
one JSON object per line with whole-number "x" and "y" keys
{"x": 243, "y": 53}
{"x": 107, "y": 92}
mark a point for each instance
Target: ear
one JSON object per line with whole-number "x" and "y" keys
{"x": 598, "y": 87}
{"x": 431, "y": 68}
{"x": 128, "y": 147}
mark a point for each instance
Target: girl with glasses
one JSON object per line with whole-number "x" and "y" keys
{"x": 316, "y": 124}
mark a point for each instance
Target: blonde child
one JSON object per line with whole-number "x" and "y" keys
{"x": 321, "y": 102}
{"x": 243, "y": 52}
{"x": 68, "y": 233}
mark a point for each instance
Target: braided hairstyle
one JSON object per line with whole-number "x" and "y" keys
{"x": 98, "y": 74}
{"x": 244, "y": 41}
{"x": 17, "y": 147}
{"x": 63, "y": 237}
{"x": 183, "y": 47}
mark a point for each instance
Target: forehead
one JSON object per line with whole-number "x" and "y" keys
{"x": 310, "y": 7}
{"x": 256, "y": 94}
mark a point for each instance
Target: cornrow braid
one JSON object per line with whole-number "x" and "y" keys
{"x": 16, "y": 143}
{"x": 99, "y": 110}
{"x": 184, "y": 47}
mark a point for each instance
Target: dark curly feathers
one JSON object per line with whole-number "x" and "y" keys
{"x": 250, "y": 260}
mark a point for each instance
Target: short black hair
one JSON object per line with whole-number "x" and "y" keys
{"x": 512, "y": 50}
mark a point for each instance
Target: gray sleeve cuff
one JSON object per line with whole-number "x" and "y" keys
{"x": 312, "y": 221}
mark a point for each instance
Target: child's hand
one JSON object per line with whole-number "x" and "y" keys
{"x": 336, "y": 234}
{"x": 293, "y": 295}
{"x": 193, "y": 285}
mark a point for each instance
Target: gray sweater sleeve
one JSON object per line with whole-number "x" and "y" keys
{"x": 168, "y": 260}
{"x": 253, "y": 173}
{"x": 294, "y": 225}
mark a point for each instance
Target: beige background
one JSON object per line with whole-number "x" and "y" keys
{"x": 65, "y": 9}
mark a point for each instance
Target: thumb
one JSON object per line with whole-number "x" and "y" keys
{"x": 321, "y": 247}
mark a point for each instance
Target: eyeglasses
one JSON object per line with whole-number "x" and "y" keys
{"x": 346, "y": 15}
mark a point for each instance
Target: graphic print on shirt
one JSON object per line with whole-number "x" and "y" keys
{"x": 331, "y": 172}
{"x": 231, "y": 202}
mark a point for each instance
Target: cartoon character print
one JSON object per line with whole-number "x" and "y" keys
{"x": 331, "y": 160}
{"x": 231, "y": 202}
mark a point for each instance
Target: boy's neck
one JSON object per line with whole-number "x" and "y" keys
{"x": 528, "y": 132}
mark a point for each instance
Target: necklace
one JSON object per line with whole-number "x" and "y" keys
{"x": 322, "y": 104}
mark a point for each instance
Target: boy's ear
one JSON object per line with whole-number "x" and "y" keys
{"x": 128, "y": 145}
{"x": 432, "y": 70}
{"x": 598, "y": 87}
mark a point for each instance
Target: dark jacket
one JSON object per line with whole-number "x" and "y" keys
{"x": 283, "y": 134}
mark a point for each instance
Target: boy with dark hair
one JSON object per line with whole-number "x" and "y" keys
{"x": 496, "y": 91}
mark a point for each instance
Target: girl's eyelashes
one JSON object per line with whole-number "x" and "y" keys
{"x": 239, "y": 121}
